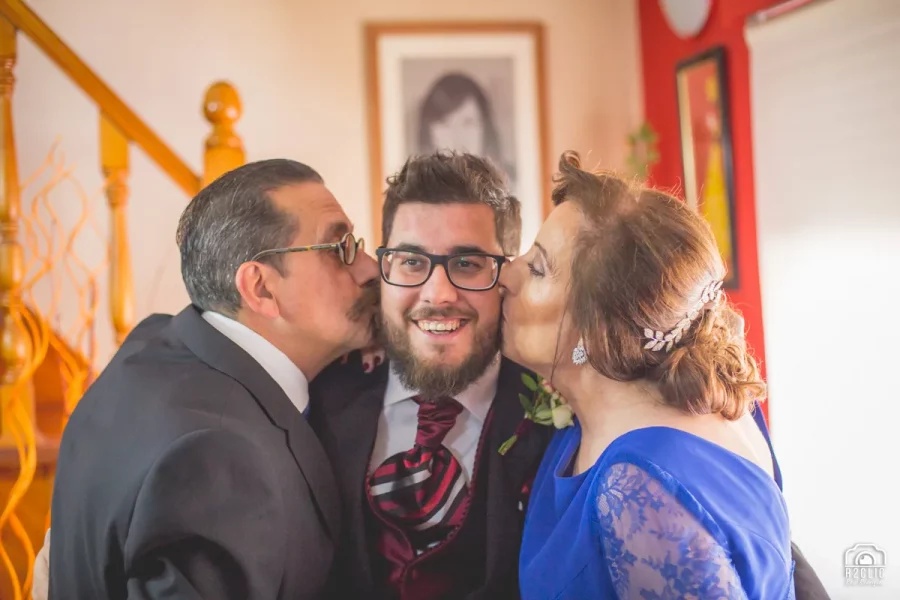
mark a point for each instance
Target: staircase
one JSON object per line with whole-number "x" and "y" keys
{"x": 42, "y": 374}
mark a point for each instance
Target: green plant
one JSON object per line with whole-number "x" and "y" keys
{"x": 642, "y": 150}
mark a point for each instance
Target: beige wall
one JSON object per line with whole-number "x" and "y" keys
{"x": 299, "y": 67}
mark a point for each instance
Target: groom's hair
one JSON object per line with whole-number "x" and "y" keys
{"x": 230, "y": 221}
{"x": 644, "y": 263}
{"x": 446, "y": 177}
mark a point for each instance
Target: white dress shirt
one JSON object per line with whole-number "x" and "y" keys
{"x": 276, "y": 363}
{"x": 399, "y": 420}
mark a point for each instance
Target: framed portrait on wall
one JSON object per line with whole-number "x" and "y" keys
{"x": 706, "y": 149}
{"x": 469, "y": 87}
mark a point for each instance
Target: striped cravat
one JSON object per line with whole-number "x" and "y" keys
{"x": 423, "y": 490}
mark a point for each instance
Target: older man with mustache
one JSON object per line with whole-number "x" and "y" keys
{"x": 189, "y": 470}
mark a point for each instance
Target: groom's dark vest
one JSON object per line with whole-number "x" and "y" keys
{"x": 479, "y": 560}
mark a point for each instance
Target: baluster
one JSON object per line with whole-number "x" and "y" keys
{"x": 224, "y": 148}
{"x": 14, "y": 345}
{"x": 114, "y": 162}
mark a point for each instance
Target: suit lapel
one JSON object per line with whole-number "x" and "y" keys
{"x": 508, "y": 473}
{"x": 225, "y": 356}
{"x": 346, "y": 407}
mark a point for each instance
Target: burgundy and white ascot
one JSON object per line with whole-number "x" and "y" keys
{"x": 423, "y": 490}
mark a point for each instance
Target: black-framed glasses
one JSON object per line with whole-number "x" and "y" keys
{"x": 347, "y": 249}
{"x": 473, "y": 271}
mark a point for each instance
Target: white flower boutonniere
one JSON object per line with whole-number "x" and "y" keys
{"x": 545, "y": 407}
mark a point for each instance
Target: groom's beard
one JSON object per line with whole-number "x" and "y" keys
{"x": 434, "y": 380}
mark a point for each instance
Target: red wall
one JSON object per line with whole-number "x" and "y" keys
{"x": 661, "y": 51}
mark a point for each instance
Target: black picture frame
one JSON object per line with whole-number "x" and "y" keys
{"x": 704, "y": 118}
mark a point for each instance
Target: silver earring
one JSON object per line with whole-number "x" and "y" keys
{"x": 579, "y": 355}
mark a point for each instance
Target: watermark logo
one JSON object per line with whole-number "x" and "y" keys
{"x": 864, "y": 564}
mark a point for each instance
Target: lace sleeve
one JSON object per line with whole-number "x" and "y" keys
{"x": 654, "y": 547}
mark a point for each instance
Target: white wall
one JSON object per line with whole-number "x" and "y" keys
{"x": 825, "y": 93}
{"x": 299, "y": 67}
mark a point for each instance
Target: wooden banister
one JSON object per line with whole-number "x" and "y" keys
{"x": 114, "y": 163}
{"x": 13, "y": 341}
{"x": 125, "y": 119}
{"x": 37, "y": 366}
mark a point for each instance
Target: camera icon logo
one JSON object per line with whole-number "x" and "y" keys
{"x": 864, "y": 564}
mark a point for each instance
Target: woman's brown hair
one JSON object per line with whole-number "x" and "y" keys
{"x": 642, "y": 261}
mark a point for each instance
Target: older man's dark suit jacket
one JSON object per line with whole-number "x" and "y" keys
{"x": 185, "y": 472}
{"x": 345, "y": 412}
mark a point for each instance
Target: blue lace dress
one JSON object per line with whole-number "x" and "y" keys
{"x": 662, "y": 514}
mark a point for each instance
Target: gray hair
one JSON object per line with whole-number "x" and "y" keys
{"x": 230, "y": 221}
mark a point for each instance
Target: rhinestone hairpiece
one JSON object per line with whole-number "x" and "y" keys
{"x": 711, "y": 295}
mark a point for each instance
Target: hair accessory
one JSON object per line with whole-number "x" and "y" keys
{"x": 711, "y": 295}
{"x": 579, "y": 355}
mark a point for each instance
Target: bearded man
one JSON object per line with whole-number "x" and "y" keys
{"x": 431, "y": 508}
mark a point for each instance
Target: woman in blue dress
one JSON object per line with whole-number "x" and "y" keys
{"x": 663, "y": 486}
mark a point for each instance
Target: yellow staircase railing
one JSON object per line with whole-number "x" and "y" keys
{"x": 29, "y": 347}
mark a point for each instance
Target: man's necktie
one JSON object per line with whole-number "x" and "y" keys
{"x": 423, "y": 490}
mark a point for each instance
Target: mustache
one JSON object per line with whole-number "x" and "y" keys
{"x": 369, "y": 300}
{"x": 421, "y": 314}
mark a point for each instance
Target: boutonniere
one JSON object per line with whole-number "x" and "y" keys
{"x": 545, "y": 407}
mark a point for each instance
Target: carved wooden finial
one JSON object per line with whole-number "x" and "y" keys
{"x": 222, "y": 105}
{"x": 224, "y": 148}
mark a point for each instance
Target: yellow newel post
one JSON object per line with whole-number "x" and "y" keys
{"x": 224, "y": 148}
{"x": 114, "y": 162}
{"x": 14, "y": 345}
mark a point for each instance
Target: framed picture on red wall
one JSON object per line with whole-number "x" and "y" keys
{"x": 706, "y": 149}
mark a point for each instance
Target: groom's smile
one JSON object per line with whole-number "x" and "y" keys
{"x": 435, "y": 331}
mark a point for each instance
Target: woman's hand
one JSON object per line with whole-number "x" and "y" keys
{"x": 371, "y": 358}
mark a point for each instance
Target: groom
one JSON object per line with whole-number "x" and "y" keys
{"x": 431, "y": 508}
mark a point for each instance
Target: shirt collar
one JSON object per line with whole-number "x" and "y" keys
{"x": 275, "y": 362}
{"x": 476, "y": 398}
